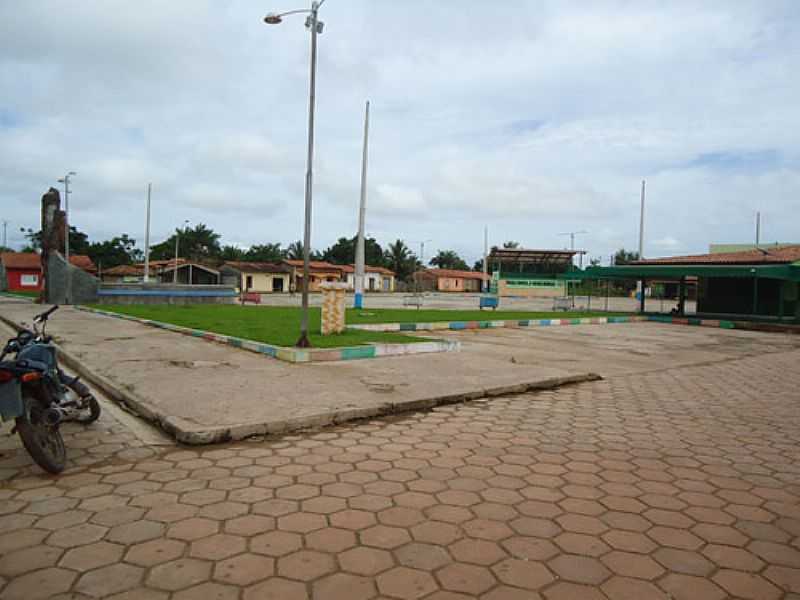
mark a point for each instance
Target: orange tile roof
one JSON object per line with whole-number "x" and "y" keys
{"x": 82, "y": 262}
{"x": 124, "y": 270}
{"x": 255, "y": 267}
{"x": 368, "y": 268}
{"x": 21, "y": 260}
{"x": 316, "y": 265}
{"x": 781, "y": 255}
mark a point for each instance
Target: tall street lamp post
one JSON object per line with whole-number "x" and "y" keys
{"x": 177, "y": 240}
{"x": 315, "y": 25}
{"x": 65, "y": 181}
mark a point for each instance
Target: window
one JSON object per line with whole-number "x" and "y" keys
{"x": 277, "y": 284}
{"x": 249, "y": 283}
{"x": 31, "y": 280}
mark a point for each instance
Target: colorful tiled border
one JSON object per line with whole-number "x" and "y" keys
{"x": 728, "y": 324}
{"x": 457, "y": 325}
{"x": 296, "y": 355}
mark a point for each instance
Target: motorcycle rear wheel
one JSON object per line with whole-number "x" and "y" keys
{"x": 43, "y": 442}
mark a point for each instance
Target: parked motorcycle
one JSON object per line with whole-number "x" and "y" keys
{"x": 40, "y": 396}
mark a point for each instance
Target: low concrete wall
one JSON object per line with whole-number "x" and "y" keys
{"x": 159, "y": 293}
{"x": 83, "y": 285}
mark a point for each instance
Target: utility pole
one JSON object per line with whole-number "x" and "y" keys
{"x": 177, "y": 238}
{"x": 758, "y": 229}
{"x": 572, "y": 235}
{"x": 640, "y": 291}
{"x": 147, "y": 237}
{"x": 641, "y": 226}
{"x": 5, "y": 233}
{"x": 422, "y": 264}
{"x": 65, "y": 181}
{"x": 485, "y": 257}
{"x": 359, "y": 279}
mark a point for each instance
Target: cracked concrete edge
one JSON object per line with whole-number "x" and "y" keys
{"x": 189, "y": 433}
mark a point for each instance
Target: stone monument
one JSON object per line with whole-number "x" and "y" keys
{"x": 333, "y": 307}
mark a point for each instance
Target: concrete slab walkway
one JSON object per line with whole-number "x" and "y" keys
{"x": 203, "y": 392}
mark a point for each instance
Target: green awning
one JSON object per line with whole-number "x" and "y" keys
{"x": 676, "y": 272}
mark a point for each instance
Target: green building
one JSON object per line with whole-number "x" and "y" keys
{"x": 757, "y": 283}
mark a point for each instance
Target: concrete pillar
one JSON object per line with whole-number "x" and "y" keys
{"x": 642, "y": 296}
{"x": 333, "y": 307}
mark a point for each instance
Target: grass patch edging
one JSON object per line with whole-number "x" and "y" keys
{"x": 295, "y": 355}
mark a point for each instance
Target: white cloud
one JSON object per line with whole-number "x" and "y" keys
{"x": 209, "y": 104}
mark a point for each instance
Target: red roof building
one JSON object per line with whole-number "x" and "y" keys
{"x": 23, "y": 271}
{"x": 765, "y": 256}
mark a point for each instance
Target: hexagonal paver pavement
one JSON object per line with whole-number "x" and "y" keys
{"x": 677, "y": 484}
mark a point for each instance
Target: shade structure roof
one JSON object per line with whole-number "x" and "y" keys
{"x": 522, "y": 256}
{"x": 788, "y": 272}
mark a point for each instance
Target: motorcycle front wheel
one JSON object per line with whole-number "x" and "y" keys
{"x": 43, "y": 442}
{"x": 89, "y": 413}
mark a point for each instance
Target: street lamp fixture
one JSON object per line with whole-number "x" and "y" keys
{"x": 315, "y": 26}
{"x": 65, "y": 181}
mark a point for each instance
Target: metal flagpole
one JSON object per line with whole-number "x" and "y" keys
{"x": 639, "y": 283}
{"x": 147, "y": 237}
{"x": 359, "y": 279}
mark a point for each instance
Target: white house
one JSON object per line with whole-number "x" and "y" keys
{"x": 376, "y": 279}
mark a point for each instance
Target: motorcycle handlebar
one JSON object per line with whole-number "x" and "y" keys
{"x": 45, "y": 314}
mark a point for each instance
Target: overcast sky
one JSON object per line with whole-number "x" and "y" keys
{"x": 530, "y": 117}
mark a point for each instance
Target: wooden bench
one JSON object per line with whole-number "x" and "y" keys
{"x": 253, "y": 297}
{"x": 562, "y": 303}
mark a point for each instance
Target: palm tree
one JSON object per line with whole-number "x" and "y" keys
{"x": 400, "y": 259}
{"x": 295, "y": 250}
{"x": 449, "y": 259}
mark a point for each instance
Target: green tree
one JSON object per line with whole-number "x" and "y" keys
{"x": 197, "y": 243}
{"x": 343, "y": 252}
{"x": 399, "y": 258}
{"x": 6, "y": 249}
{"x": 119, "y": 250}
{"x": 78, "y": 241}
{"x": 295, "y": 251}
{"x": 232, "y": 253}
{"x": 449, "y": 259}
{"x": 265, "y": 253}
{"x": 625, "y": 257}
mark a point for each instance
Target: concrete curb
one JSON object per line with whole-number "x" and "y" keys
{"x": 513, "y": 324}
{"x": 295, "y": 355}
{"x": 190, "y": 433}
{"x": 726, "y": 324}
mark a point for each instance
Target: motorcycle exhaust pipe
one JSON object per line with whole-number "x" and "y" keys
{"x": 53, "y": 416}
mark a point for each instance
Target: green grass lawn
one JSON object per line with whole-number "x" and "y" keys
{"x": 279, "y": 326}
{"x": 21, "y": 293}
{"x": 401, "y": 315}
